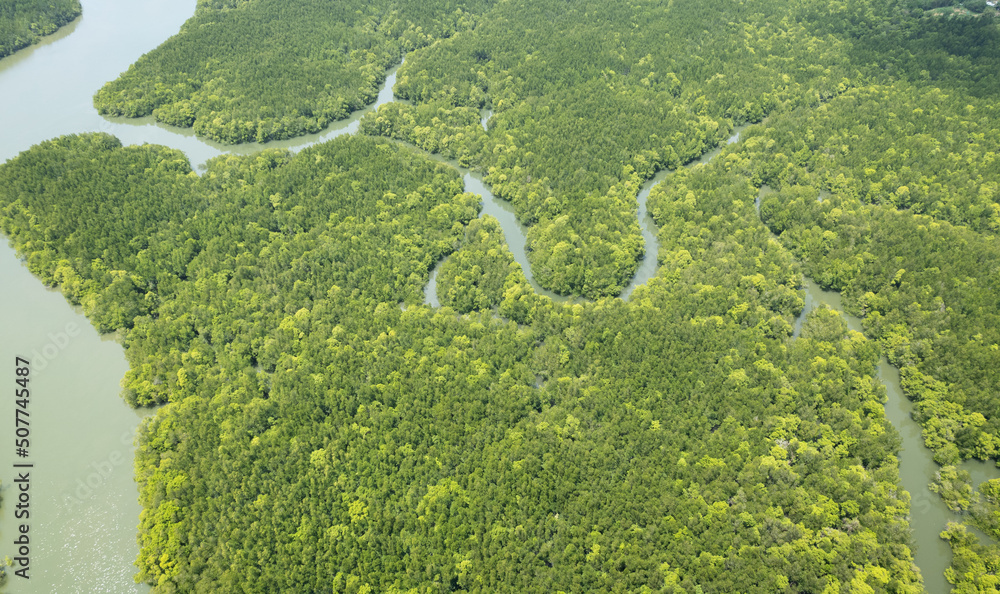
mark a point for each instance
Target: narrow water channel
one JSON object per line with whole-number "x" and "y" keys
{"x": 649, "y": 263}
{"x": 515, "y": 234}
{"x": 85, "y": 508}
{"x": 56, "y": 81}
{"x": 928, "y": 513}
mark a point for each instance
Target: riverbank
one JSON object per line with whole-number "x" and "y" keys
{"x": 84, "y": 503}
{"x": 929, "y": 515}
{"x": 131, "y": 132}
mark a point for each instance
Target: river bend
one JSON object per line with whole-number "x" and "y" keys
{"x": 88, "y": 514}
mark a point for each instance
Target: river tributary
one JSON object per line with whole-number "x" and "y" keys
{"x": 85, "y": 508}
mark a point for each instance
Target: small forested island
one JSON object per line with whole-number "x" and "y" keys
{"x": 23, "y": 22}
{"x": 322, "y": 430}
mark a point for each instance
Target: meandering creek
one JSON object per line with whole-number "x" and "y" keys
{"x": 516, "y": 234}
{"x": 649, "y": 264}
{"x": 85, "y": 508}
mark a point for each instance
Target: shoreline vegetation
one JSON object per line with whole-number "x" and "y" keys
{"x": 679, "y": 442}
{"x": 25, "y": 22}
{"x": 397, "y": 418}
{"x": 277, "y": 70}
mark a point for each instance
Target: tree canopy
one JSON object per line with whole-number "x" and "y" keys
{"x": 259, "y": 70}
{"x": 323, "y": 431}
{"x": 23, "y": 22}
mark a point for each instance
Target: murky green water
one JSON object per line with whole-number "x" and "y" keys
{"x": 649, "y": 263}
{"x": 84, "y": 501}
{"x": 516, "y": 234}
{"x": 56, "y": 80}
{"x": 928, "y": 513}
{"x": 83, "y": 504}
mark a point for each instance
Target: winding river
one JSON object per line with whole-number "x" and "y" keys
{"x": 515, "y": 234}
{"x": 649, "y": 262}
{"x": 928, "y": 513}
{"x": 85, "y": 509}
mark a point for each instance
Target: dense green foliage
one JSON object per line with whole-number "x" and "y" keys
{"x": 928, "y": 291}
{"x": 987, "y": 509}
{"x": 258, "y": 70}
{"x": 324, "y": 432}
{"x": 897, "y": 40}
{"x": 319, "y": 437}
{"x": 954, "y": 486}
{"x": 482, "y": 272}
{"x": 23, "y": 22}
{"x": 596, "y": 101}
{"x": 586, "y": 107}
{"x": 926, "y": 287}
{"x": 920, "y": 150}
{"x": 889, "y": 193}
{"x": 102, "y": 206}
{"x": 976, "y": 567}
